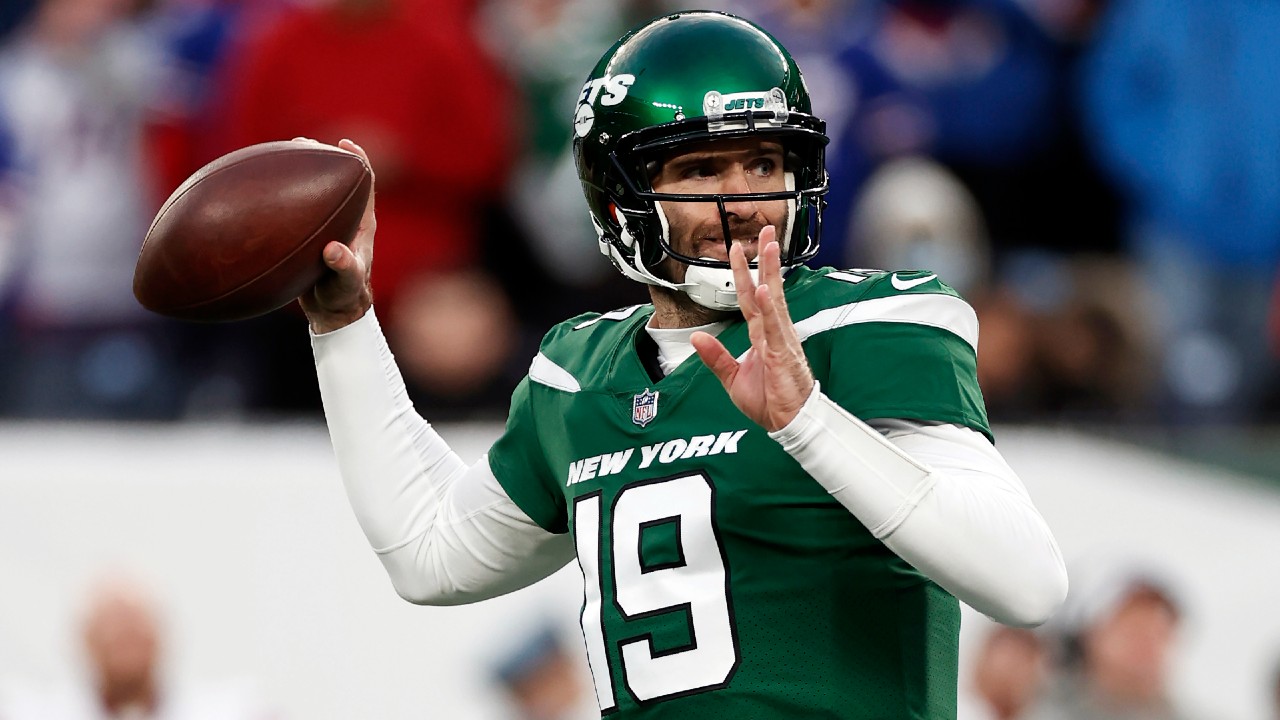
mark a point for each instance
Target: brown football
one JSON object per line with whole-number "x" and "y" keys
{"x": 243, "y": 236}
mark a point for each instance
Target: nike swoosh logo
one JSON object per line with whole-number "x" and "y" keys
{"x": 900, "y": 284}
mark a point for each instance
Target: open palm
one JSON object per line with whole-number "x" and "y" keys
{"x": 772, "y": 380}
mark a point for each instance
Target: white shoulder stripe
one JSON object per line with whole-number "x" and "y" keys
{"x": 543, "y": 371}
{"x": 620, "y": 314}
{"x": 947, "y": 312}
{"x": 849, "y": 277}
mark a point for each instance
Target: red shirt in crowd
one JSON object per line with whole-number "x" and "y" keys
{"x": 411, "y": 86}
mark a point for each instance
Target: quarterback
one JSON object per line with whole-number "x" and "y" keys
{"x": 780, "y": 527}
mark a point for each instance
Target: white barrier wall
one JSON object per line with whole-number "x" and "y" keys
{"x": 244, "y": 535}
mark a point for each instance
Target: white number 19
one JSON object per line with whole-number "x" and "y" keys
{"x": 696, "y": 584}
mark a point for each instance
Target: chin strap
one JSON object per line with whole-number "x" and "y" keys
{"x": 713, "y": 287}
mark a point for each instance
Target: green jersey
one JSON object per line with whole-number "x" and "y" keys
{"x": 721, "y": 581}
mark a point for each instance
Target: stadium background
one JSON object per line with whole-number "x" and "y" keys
{"x": 1098, "y": 177}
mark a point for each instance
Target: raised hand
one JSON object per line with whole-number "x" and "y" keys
{"x": 344, "y": 295}
{"x": 773, "y": 379}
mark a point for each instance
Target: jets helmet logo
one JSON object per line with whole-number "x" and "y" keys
{"x": 608, "y": 90}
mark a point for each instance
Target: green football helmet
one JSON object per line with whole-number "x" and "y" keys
{"x": 683, "y": 78}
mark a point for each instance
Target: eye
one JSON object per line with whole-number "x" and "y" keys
{"x": 764, "y": 166}
{"x": 698, "y": 171}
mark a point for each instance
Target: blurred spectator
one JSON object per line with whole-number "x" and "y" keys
{"x": 1094, "y": 346}
{"x": 1118, "y": 629}
{"x": 239, "y": 367}
{"x": 415, "y": 91}
{"x": 543, "y": 681}
{"x": 971, "y": 83}
{"x": 410, "y": 82}
{"x": 198, "y": 37}
{"x": 819, "y": 30}
{"x": 1069, "y": 22}
{"x": 1008, "y": 366}
{"x": 1009, "y": 672}
{"x": 545, "y": 45}
{"x": 122, "y": 638}
{"x": 459, "y": 347}
{"x": 1181, "y": 98}
{"x": 915, "y": 214}
{"x": 74, "y": 85}
{"x": 1061, "y": 337}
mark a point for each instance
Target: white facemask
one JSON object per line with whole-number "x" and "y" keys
{"x": 711, "y": 288}
{"x": 714, "y": 287}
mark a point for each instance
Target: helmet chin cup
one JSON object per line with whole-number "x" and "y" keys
{"x": 713, "y": 288}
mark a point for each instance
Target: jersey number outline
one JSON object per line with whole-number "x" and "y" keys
{"x": 695, "y": 584}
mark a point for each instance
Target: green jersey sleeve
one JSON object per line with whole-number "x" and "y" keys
{"x": 896, "y": 345}
{"x": 900, "y": 370}
{"x": 520, "y": 465}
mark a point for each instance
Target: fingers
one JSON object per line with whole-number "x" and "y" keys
{"x": 345, "y": 295}
{"x": 350, "y": 146}
{"x": 349, "y": 275}
{"x": 340, "y": 297}
{"x": 748, "y": 293}
{"x": 774, "y": 324}
{"x": 751, "y": 297}
{"x": 767, "y": 235}
{"x": 743, "y": 283}
{"x": 714, "y": 355}
{"x": 367, "y": 221}
{"x": 779, "y": 332}
{"x": 770, "y": 262}
{"x": 338, "y": 257}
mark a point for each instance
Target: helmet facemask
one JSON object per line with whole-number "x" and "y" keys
{"x": 682, "y": 80}
{"x": 644, "y": 238}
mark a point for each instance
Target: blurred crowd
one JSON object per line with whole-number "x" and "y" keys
{"x": 1109, "y": 654}
{"x": 124, "y": 676}
{"x": 1099, "y": 178}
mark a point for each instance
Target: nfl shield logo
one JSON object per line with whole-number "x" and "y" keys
{"x": 644, "y": 408}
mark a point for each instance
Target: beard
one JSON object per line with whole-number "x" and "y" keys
{"x": 707, "y": 240}
{"x": 675, "y": 309}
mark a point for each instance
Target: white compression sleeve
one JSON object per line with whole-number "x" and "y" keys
{"x": 943, "y": 499}
{"x": 446, "y": 534}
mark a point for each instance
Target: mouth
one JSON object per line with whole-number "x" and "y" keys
{"x": 712, "y": 247}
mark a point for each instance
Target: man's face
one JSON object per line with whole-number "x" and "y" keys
{"x": 1009, "y": 670}
{"x": 1128, "y": 651}
{"x": 122, "y": 638}
{"x": 730, "y": 166}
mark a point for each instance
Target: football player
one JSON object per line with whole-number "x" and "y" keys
{"x": 778, "y": 528}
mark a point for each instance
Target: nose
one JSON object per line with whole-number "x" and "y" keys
{"x": 736, "y": 182}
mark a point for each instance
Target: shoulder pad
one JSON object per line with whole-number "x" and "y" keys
{"x": 829, "y": 299}
{"x": 574, "y": 351}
